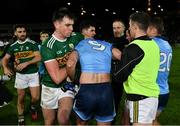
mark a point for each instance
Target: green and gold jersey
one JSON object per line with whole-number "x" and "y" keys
{"x": 23, "y": 52}
{"x": 54, "y": 48}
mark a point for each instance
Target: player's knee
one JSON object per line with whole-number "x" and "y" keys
{"x": 35, "y": 98}
{"x": 63, "y": 118}
{"x": 49, "y": 121}
{"x": 21, "y": 94}
{"x": 21, "y": 98}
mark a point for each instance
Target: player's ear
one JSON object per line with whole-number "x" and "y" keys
{"x": 15, "y": 33}
{"x": 56, "y": 23}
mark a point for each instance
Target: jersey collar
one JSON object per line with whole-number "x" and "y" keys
{"x": 22, "y": 42}
{"x": 60, "y": 40}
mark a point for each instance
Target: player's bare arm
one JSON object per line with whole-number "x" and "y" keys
{"x": 37, "y": 58}
{"x": 71, "y": 64}
{"x": 57, "y": 74}
{"x": 116, "y": 54}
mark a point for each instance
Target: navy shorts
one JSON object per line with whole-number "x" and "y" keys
{"x": 163, "y": 100}
{"x": 95, "y": 101}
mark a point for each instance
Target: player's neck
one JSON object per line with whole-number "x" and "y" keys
{"x": 59, "y": 36}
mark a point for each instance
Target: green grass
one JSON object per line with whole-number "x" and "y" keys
{"x": 8, "y": 114}
{"x": 172, "y": 112}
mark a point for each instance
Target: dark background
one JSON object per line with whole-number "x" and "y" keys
{"x": 34, "y": 11}
{"x": 38, "y": 13}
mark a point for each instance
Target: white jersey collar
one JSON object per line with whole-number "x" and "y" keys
{"x": 60, "y": 40}
{"x": 22, "y": 42}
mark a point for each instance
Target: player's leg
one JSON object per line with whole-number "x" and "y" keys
{"x": 49, "y": 104}
{"x": 104, "y": 123}
{"x": 163, "y": 100}
{"x": 125, "y": 114}
{"x": 80, "y": 122}
{"x": 117, "y": 87}
{"x": 21, "y": 85}
{"x": 20, "y": 105}
{"x": 65, "y": 107}
{"x": 143, "y": 112}
{"x": 105, "y": 110}
{"x": 117, "y": 94}
{"x": 35, "y": 94}
{"x": 49, "y": 116}
{"x": 84, "y": 104}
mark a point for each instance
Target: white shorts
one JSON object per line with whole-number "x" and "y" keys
{"x": 50, "y": 96}
{"x": 143, "y": 111}
{"x": 23, "y": 81}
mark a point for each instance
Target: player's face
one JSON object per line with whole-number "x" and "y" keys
{"x": 151, "y": 31}
{"x": 118, "y": 28}
{"x": 20, "y": 33}
{"x": 44, "y": 36}
{"x": 65, "y": 27}
{"x": 90, "y": 32}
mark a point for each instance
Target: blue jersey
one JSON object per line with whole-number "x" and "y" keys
{"x": 165, "y": 63}
{"x": 95, "y": 56}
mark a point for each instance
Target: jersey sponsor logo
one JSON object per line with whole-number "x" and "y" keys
{"x": 23, "y": 55}
{"x": 16, "y": 49}
{"x": 71, "y": 45}
{"x": 59, "y": 52}
{"x": 63, "y": 60}
{"x": 27, "y": 48}
{"x": 100, "y": 48}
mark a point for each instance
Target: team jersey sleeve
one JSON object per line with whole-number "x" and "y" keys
{"x": 131, "y": 56}
{"x": 35, "y": 47}
{"x": 47, "y": 53}
{"x": 77, "y": 37}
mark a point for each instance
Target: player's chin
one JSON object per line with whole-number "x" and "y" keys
{"x": 68, "y": 35}
{"x": 22, "y": 38}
